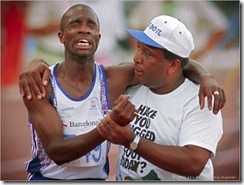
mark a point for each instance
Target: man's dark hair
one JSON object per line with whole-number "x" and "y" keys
{"x": 171, "y": 56}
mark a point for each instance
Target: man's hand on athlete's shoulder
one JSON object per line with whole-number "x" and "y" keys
{"x": 36, "y": 77}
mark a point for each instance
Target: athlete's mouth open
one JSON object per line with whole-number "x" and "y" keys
{"x": 83, "y": 42}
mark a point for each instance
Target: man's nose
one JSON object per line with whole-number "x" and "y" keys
{"x": 138, "y": 58}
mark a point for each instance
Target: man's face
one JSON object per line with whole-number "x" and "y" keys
{"x": 81, "y": 32}
{"x": 151, "y": 66}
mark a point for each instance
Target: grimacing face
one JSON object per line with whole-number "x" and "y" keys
{"x": 80, "y": 34}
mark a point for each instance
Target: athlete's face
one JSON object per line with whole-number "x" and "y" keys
{"x": 81, "y": 32}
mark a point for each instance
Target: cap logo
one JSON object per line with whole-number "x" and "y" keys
{"x": 155, "y": 29}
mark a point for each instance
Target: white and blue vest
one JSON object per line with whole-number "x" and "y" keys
{"x": 79, "y": 116}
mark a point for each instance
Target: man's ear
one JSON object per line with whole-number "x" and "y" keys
{"x": 174, "y": 65}
{"x": 61, "y": 37}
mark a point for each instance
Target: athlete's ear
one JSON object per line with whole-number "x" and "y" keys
{"x": 99, "y": 39}
{"x": 174, "y": 65}
{"x": 61, "y": 37}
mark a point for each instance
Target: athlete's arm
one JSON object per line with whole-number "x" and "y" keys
{"x": 208, "y": 85}
{"x": 49, "y": 128}
{"x": 193, "y": 70}
{"x": 119, "y": 77}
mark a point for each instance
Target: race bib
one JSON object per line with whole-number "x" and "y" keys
{"x": 95, "y": 157}
{"x": 76, "y": 127}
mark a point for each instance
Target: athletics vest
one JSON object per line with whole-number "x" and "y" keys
{"x": 79, "y": 116}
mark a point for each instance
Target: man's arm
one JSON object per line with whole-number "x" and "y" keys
{"x": 208, "y": 86}
{"x": 169, "y": 158}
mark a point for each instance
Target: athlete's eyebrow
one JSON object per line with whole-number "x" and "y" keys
{"x": 78, "y": 19}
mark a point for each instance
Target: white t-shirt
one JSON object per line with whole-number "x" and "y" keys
{"x": 170, "y": 119}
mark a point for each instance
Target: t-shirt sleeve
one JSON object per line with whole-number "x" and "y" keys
{"x": 201, "y": 128}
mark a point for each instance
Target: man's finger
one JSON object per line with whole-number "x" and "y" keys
{"x": 38, "y": 87}
{"x": 210, "y": 99}
{"x": 24, "y": 87}
{"x": 21, "y": 90}
{"x": 123, "y": 104}
{"x": 27, "y": 92}
{"x": 121, "y": 98}
{"x": 201, "y": 100}
{"x": 34, "y": 83}
{"x": 223, "y": 100}
{"x": 46, "y": 76}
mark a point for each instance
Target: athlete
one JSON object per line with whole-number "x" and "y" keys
{"x": 65, "y": 142}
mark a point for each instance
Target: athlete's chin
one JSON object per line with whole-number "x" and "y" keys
{"x": 84, "y": 52}
{"x": 84, "y": 55}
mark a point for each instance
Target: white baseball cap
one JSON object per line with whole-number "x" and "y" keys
{"x": 168, "y": 33}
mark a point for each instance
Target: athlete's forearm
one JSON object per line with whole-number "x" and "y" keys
{"x": 130, "y": 67}
{"x": 195, "y": 72}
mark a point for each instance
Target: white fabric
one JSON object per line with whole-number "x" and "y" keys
{"x": 171, "y": 34}
{"x": 79, "y": 116}
{"x": 171, "y": 119}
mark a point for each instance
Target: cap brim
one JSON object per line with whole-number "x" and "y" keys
{"x": 143, "y": 38}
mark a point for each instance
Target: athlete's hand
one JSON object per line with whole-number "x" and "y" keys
{"x": 124, "y": 111}
{"x": 209, "y": 87}
{"x": 115, "y": 133}
{"x": 35, "y": 77}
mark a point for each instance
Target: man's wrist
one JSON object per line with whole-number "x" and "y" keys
{"x": 134, "y": 144}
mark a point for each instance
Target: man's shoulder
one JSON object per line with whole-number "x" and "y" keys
{"x": 191, "y": 86}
